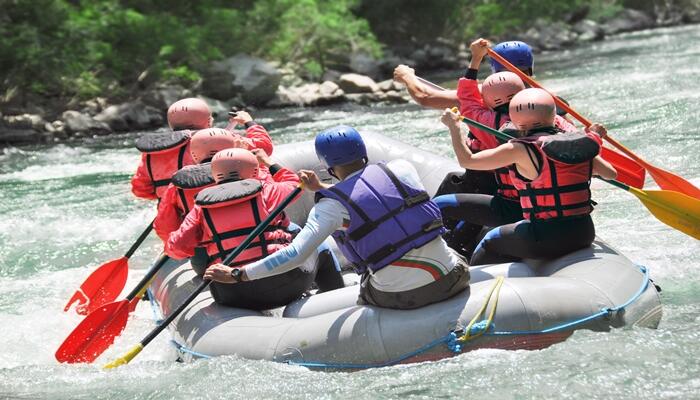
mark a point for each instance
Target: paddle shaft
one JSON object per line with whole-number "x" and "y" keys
{"x": 257, "y": 231}
{"x": 140, "y": 239}
{"x": 146, "y": 280}
{"x": 431, "y": 84}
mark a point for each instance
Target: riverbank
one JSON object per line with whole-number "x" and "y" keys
{"x": 246, "y": 81}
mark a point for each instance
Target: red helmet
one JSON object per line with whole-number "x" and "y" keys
{"x": 499, "y": 88}
{"x": 190, "y": 113}
{"x": 532, "y": 108}
{"x": 234, "y": 165}
{"x": 207, "y": 142}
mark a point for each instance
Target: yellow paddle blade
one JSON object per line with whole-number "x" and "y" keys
{"x": 125, "y": 358}
{"x": 674, "y": 209}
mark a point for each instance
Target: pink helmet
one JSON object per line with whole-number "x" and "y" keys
{"x": 207, "y": 142}
{"x": 532, "y": 108}
{"x": 499, "y": 88}
{"x": 234, "y": 165}
{"x": 190, "y": 113}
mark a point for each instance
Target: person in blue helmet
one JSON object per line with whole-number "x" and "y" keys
{"x": 516, "y": 52}
{"x": 383, "y": 221}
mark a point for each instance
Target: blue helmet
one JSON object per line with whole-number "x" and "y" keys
{"x": 340, "y": 145}
{"x": 517, "y": 53}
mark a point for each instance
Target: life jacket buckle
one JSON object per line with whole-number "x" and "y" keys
{"x": 434, "y": 224}
{"x": 417, "y": 199}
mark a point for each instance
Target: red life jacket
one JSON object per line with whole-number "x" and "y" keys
{"x": 165, "y": 153}
{"x": 231, "y": 211}
{"x": 503, "y": 180}
{"x": 562, "y": 187}
{"x": 189, "y": 181}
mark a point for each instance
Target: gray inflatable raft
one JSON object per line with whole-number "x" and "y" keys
{"x": 534, "y": 305}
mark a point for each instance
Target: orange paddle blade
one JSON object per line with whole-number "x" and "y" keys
{"x": 628, "y": 171}
{"x": 102, "y": 286}
{"x": 665, "y": 179}
{"x": 669, "y": 181}
{"x": 94, "y": 334}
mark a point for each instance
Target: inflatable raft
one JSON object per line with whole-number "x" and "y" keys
{"x": 523, "y": 305}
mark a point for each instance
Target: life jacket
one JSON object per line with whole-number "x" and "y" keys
{"x": 165, "y": 154}
{"x": 388, "y": 218}
{"x": 189, "y": 181}
{"x": 562, "y": 187}
{"x": 504, "y": 183}
{"x": 232, "y": 211}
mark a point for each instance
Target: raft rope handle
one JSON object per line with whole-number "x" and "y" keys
{"x": 482, "y": 329}
{"x": 449, "y": 339}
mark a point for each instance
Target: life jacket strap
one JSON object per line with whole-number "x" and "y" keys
{"x": 390, "y": 248}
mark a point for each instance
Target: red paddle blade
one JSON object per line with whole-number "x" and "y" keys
{"x": 670, "y": 181}
{"x": 102, "y": 286}
{"x": 628, "y": 171}
{"x": 94, "y": 334}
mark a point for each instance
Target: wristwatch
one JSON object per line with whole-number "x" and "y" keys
{"x": 237, "y": 274}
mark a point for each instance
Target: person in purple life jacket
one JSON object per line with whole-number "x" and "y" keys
{"x": 383, "y": 221}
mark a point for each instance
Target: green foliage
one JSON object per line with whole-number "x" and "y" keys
{"x": 88, "y": 47}
{"x": 499, "y": 17}
{"x": 82, "y": 47}
{"x": 314, "y": 32}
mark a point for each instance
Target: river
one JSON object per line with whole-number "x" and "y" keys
{"x": 67, "y": 207}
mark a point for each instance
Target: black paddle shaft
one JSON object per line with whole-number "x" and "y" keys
{"x": 140, "y": 240}
{"x": 147, "y": 278}
{"x": 229, "y": 258}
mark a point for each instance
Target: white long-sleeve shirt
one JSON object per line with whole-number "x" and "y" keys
{"x": 416, "y": 268}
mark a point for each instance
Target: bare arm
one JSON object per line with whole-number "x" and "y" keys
{"x": 501, "y": 156}
{"x": 603, "y": 168}
{"x": 423, "y": 94}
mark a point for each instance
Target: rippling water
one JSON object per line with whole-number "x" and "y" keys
{"x": 66, "y": 208}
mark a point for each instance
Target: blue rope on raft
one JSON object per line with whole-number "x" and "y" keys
{"x": 157, "y": 315}
{"x": 451, "y": 339}
{"x": 184, "y": 349}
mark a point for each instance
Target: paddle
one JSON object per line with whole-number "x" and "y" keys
{"x": 106, "y": 282}
{"x": 665, "y": 179}
{"x": 97, "y": 331}
{"x": 674, "y": 209}
{"x": 431, "y": 84}
{"x": 128, "y": 356}
{"x": 628, "y": 171}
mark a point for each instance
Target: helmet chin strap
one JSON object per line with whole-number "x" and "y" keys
{"x": 331, "y": 173}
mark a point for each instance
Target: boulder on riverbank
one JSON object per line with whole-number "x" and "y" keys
{"x": 77, "y": 123}
{"x": 310, "y": 94}
{"x": 356, "y": 83}
{"x": 23, "y": 128}
{"x": 131, "y": 116}
{"x": 627, "y": 20}
{"x": 362, "y": 90}
{"x": 242, "y": 78}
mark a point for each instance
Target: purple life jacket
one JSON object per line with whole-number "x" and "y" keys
{"x": 388, "y": 218}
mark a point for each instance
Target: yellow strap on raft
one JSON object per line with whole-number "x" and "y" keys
{"x": 467, "y": 331}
